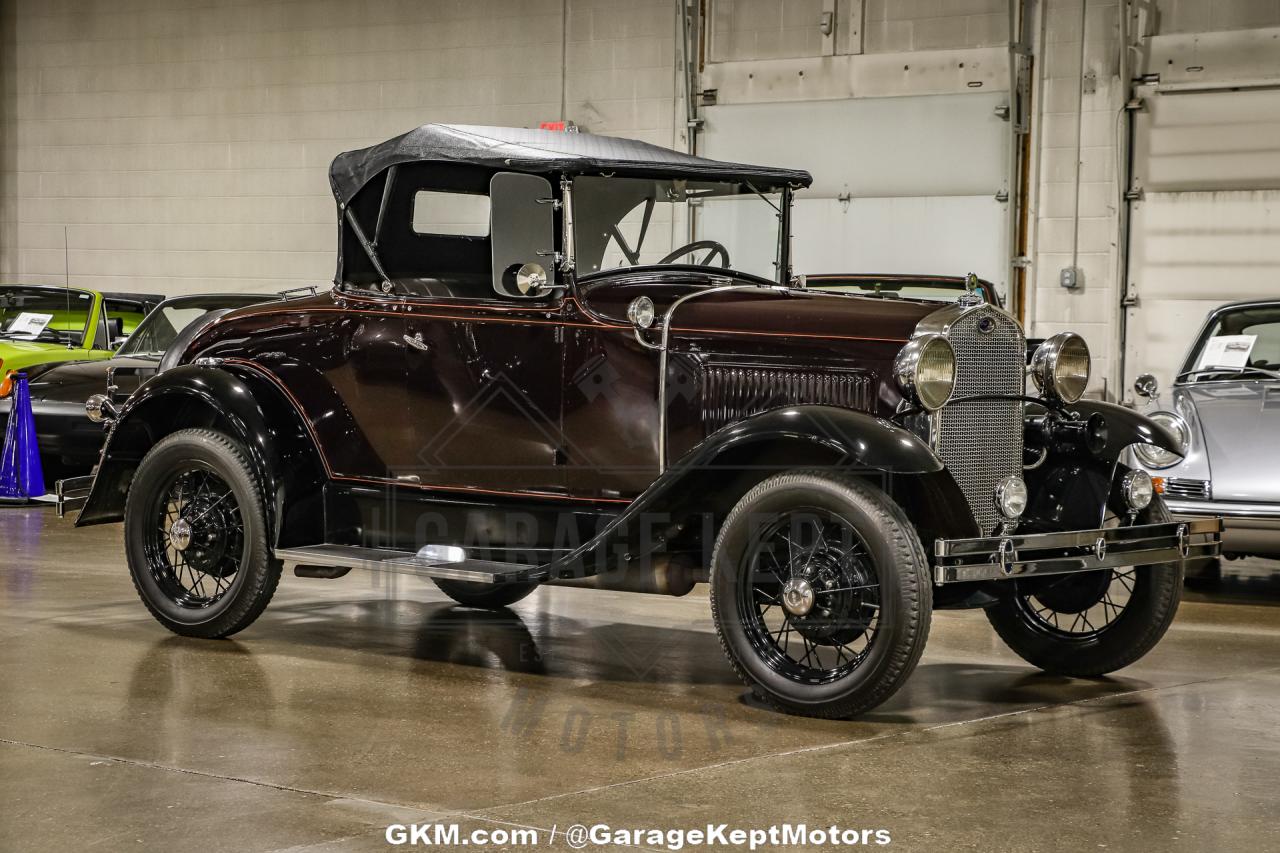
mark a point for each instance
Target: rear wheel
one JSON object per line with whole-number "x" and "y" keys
{"x": 195, "y": 536}
{"x": 1091, "y": 623}
{"x": 484, "y": 595}
{"x": 820, "y": 594}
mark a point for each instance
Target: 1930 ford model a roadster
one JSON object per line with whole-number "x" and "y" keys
{"x": 509, "y": 385}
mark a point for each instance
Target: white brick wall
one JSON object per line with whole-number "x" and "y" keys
{"x": 1067, "y": 120}
{"x": 184, "y": 144}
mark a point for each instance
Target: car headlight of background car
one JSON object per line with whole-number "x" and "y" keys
{"x": 1158, "y": 457}
{"x": 926, "y": 371}
{"x": 1060, "y": 367}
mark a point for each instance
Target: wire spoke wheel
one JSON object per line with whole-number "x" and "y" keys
{"x": 1078, "y": 607}
{"x": 1091, "y": 623}
{"x": 196, "y": 544}
{"x": 809, "y": 598}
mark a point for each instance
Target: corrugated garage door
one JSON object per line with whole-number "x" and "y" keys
{"x": 901, "y": 184}
{"x": 1206, "y": 229}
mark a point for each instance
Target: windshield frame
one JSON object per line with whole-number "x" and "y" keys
{"x": 57, "y": 292}
{"x": 1186, "y": 375}
{"x": 782, "y": 252}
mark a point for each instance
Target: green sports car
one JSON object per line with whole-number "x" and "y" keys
{"x": 43, "y": 324}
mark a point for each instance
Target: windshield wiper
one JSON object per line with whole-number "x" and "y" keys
{"x": 1274, "y": 374}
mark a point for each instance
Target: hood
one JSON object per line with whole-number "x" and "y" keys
{"x": 757, "y": 311}
{"x": 18, "y": 355}
{"x": 804, "y": 314}
{"x": 77, "y": 381}
{"x": 1239, "y": 422}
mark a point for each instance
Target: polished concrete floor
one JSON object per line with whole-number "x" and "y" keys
{"x": 370, "y": 700}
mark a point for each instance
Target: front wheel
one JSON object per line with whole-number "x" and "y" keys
{"x": 1091, "y": 623}
{"x": 820, "y": 594}
{"x": 196, "y": 536}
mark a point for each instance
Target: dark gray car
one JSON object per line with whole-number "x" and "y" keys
{"x": 1225, "y": 407}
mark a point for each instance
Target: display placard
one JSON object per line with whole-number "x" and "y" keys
{"x": 28, "y": 325}
{"x": 1226, "y": 351}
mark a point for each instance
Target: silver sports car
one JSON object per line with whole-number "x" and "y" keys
{"x": 1225, "y": 408}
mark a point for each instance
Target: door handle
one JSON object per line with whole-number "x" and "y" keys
{"x": 415, "y": 340}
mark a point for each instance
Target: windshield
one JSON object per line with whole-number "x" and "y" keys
{"x": 46, "y": 314}
{"x": 157, "y": 332}
{"x": 626, "y": 222}
{"x": 1238, "y": 343}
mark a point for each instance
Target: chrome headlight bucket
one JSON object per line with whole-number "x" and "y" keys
{"x": 100, "y": 409}
{"x": 1137, "y": 488}
{"x": 1158, "y": 457}
{"x": 1060, "y": 367}
{"x": 1011, "y": 497}
{"x": 926, "y": 371}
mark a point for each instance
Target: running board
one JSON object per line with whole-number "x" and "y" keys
{"x": 425, "y": 563}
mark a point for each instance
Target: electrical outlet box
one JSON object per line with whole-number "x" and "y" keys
{"x": 1069, "y": 278}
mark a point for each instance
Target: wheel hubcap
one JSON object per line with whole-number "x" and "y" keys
{"x": 810, "y": 596}
{"x": 197, "y": 542}
{"x": 797, "y": 596}
{"x": 180, "y": 535}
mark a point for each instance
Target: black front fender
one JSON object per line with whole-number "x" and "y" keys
{"x": 1125, "y": 427}
{"x": 852, "y": 439}
{"x": 234, "y": 400}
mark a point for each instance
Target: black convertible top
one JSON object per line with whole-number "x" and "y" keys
{"x": 539, "y": 151}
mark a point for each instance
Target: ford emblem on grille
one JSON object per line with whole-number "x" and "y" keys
{"x": 986, "y": 325}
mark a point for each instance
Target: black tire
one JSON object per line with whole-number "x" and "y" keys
{"x": 483, "y": 595}
{"x": 228, "y": 552}
{"x": 1152, "y": 601}
{"x": 877, "y": 552}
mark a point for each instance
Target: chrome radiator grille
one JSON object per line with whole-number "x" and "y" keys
{"x": 981, "y": 441}
{"x": 732, "y": 392}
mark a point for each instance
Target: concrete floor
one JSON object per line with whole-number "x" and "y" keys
{"x": 370, "y": 700}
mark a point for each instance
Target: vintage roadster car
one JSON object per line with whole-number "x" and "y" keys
{"x": 1224, "y": 409}
{"x": 525, "y": 375}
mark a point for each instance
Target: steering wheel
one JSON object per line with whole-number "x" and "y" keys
{"x": 713, "y": 248}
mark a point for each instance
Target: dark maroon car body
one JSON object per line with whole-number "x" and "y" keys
{"x": 550, "y": 431}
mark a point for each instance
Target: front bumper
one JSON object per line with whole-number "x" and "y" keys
{"x": 1247, "y": 528}
{"x": 1003, "y": 557}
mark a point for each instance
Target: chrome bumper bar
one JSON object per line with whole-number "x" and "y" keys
{"x": 1001, "y": 557}
{"x": 72, "y": 493}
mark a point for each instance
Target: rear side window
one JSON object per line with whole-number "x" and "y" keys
{"x": 457, "y": 214}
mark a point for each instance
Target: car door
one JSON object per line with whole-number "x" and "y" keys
{"x": 484, "y": 397}
{"x": 484, "y": 344}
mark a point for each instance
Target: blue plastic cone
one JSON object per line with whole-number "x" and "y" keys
{"x": 21, "y": 476}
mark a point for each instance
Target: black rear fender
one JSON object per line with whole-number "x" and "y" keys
{"x": 234, "y": 400}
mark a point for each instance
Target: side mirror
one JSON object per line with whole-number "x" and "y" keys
{"x": 522, "y": 234}
{"x": 1146, "y": 386}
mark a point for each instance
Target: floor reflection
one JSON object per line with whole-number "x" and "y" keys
{"x": 1251, "y": 580}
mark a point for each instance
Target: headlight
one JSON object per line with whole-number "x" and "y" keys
{"x": 1011, "y": 497}
{"x": 1137, "y": 489}
{"x": 1060, "y": 367}
{"x": 100, "y": 409}
{"x": 926, "y": 371}
{"x": 1158, "y": 457}
{"x": 641, "y": 312}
